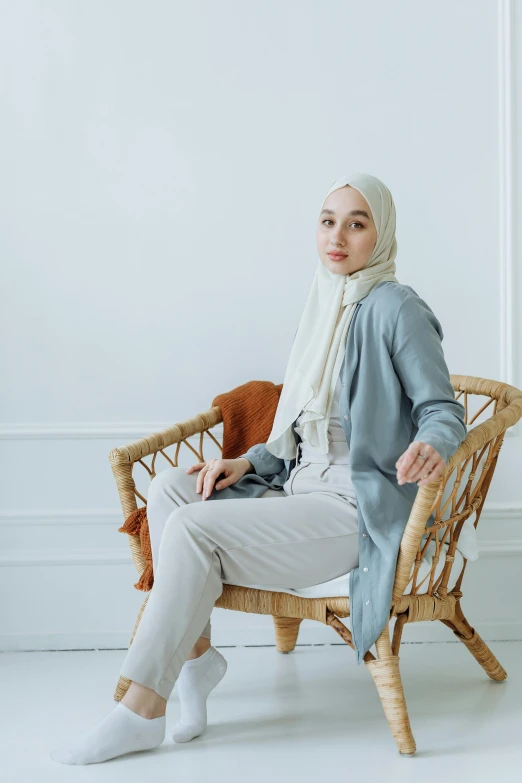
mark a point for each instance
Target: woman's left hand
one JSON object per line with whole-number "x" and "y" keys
{"x": 411, "y": 468}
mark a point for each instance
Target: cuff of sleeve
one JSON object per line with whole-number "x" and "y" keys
{"x": 255, "y": 461}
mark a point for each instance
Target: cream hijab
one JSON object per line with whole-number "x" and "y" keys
{"x": 320, "y": 343}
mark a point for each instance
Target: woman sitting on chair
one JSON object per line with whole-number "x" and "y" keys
{"x": 368, "y": 393}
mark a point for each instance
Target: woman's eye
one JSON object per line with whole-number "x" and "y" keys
{"x": 327, "y": 220}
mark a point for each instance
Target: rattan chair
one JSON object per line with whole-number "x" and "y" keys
{"x": 491, "y": 408}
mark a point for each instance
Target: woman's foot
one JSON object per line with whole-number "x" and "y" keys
{"x": 122, "y": 731}
{"x": 198, "y": 677}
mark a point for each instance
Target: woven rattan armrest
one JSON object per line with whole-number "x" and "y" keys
{"x": 123, "y": 458}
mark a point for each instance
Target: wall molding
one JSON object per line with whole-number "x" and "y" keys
{"x": 42, "y": 517}
{"x": 126, "y": 432}
{"x": 500, "y": 511}
{"x": 89, "y": 557}
{"x": 506, "y": 80}
{"x": 66, "y": 557}
{"x": 109, "y": 430}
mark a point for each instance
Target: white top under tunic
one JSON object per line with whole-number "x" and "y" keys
{"x": 318, "y": 472}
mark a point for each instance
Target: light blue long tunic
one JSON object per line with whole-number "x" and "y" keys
{"x": 395, "y": 389}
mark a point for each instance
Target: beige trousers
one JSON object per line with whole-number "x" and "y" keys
{"x": 293, "y": 537}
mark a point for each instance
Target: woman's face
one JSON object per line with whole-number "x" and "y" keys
{"x": 346, "y": 226}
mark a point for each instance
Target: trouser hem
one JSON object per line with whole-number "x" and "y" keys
{"x": 162, "y": 690}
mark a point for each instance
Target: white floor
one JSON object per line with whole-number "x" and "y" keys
{"x": 311, "y": 715}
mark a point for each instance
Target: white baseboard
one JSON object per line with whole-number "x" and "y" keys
{"x": 251, "y": 636}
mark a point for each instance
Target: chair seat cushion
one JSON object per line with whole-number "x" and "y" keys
{"x": 338, "y": 587}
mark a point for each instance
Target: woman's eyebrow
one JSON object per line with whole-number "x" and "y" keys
{"x": 353, "y": 212}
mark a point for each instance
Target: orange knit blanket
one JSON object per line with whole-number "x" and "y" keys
{"x": 248, "y": 413}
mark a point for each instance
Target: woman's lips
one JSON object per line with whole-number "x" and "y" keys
{"x": 337, "y": 256}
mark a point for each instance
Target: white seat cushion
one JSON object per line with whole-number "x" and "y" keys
{"x": 338, "y": 587}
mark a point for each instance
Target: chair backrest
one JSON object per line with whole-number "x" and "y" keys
{"x": 491, "y": 408}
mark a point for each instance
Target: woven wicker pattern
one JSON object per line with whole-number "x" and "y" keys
{"x": 491, "y": 408}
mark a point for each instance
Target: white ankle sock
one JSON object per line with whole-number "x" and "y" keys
{"x": 197, "y": 678}
{"x": 122, "y": 731}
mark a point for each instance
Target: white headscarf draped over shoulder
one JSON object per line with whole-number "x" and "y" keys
{"x": 320, "y": 343}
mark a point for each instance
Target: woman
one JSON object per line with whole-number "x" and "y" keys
{"x": 367, "y": 401}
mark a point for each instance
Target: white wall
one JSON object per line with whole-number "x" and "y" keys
{"x": 162, "y": 169}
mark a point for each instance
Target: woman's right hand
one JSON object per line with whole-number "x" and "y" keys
{"x": 209, "y": 471}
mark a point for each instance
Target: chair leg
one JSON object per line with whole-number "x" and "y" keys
{"x": 123, "y": 683}
{"x": 477, "y": 646}
{"x": 286, "y": 632}
{"x": 387, "y": 677}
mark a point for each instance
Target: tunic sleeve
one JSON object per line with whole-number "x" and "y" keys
{"x": 263, "y": 462}
{"x": 418, "y": 360}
